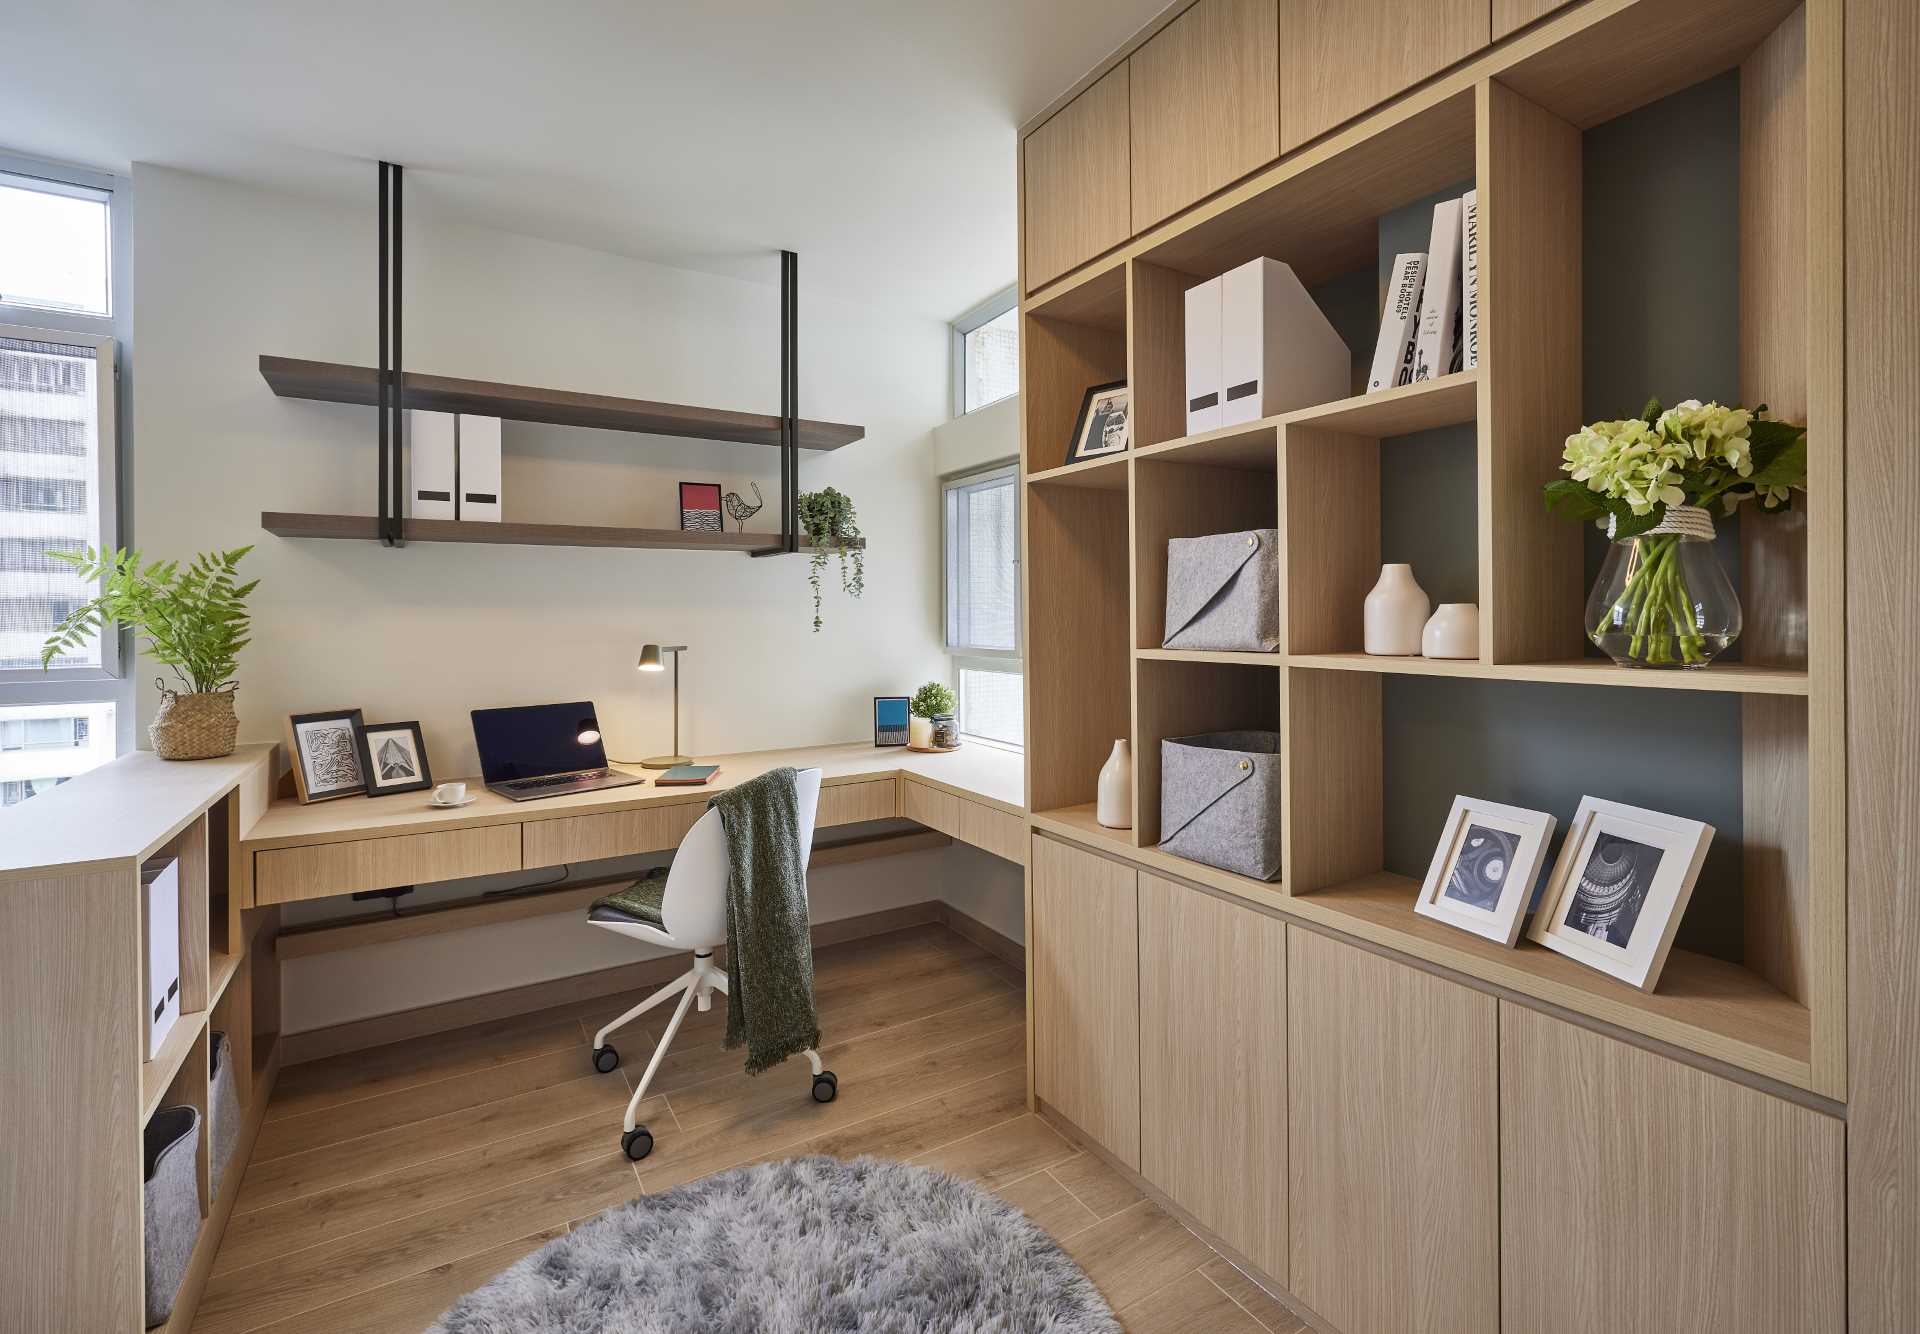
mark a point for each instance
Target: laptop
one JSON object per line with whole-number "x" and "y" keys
{"x": 543, "y": 750}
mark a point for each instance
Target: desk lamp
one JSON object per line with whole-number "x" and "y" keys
{"x": 650, "y": 662}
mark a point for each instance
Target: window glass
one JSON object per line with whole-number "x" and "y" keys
{"x": 50, "y": 497}
{"x": 54, "y": 245}
{"x": 992, "y": 704}
{"x": 991, "y": 360}
{"x": 983, "y": 562}
{"x": 43, "y": 745}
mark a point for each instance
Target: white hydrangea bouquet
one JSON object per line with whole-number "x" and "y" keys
{"x": 1653, "y": 482}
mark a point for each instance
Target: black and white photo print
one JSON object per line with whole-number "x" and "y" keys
{"x": 1480, "y": 873}
{"x": 394, "y": 756}
{"x": 1485, "y": 866}
{"x": 326, "y": 750}
{"x": 1103, "y": 424}
{"x": 1613, "y": 888}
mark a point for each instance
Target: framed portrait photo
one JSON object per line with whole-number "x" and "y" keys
{"x": 1484, "y": 870}
{"x": 1105, "y": 424}
{"x": 325, "y": 749}
{"x": 394, "y": 758}
{"x": 1619, "y": 889}
{"x": 700, "y": 507}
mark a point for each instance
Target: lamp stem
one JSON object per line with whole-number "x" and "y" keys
{"x": 676, "y": 703}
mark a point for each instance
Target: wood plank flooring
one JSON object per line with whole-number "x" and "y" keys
{"x": 388, "y": 1182}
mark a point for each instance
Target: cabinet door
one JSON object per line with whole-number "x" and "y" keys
{"x": 1393, "y": 1144}
{"x": 1074, "y": 175}
{"x": 1205, "y": 104}
{"x": 1086, "y": 993}
{"x": 1510, "y": 15}
{"x": 1213, "y": 1065}
{"x": 1638, "y": 1193}
{"x": 1339, "y": 58}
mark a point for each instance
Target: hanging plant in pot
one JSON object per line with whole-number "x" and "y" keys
{"x": 828, "y": 519}
{"x": 193, "y": 620}
{"x": 1653, "y": 482}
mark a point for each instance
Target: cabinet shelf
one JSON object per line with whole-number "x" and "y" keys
{"x": 1108, "y": 473}
{"x": 364, "y": 527}
{"x": 334, "y": 382}
{"x": 1727, "y": 678}
{"x": 156, "y": 1076}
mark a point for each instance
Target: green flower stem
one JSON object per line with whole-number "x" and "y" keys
{"x": 1656, "y": 606}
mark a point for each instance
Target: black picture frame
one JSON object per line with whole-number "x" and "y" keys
{"x": 376, "y": 737}
{"x": 1080, "y": 448}
{"x": 303, "y": 731}
{"x": 889, "y": 732}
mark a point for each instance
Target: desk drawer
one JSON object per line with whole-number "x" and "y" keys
{"x": 930, "y": 806}
{"x": 851, "y": 803}
{"x": 585, "y": 838}
{"x": 993, "y": 830}
{"x": 287, "y": 875}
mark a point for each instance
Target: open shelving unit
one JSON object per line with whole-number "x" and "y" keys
{"x": 1764, "y": 991}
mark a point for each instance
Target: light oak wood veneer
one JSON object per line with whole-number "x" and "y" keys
{"x": 322, "y": 870}
{"x": 1340, "y": 57}
{"x": 1076, "y": 169}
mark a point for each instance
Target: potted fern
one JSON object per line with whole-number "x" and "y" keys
{"x": 194, "y": 620}
{"x": 828, "y": 519}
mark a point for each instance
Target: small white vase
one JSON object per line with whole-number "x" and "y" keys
{"x": 920, "y": 733}
{"x": 1396, "y": 612}
{"x": 1453, "y": 631}
{"x": 1115, "y": 807}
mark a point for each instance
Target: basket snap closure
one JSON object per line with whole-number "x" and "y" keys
{"x": 1246, "y": 764}
{"x": 1249, "y": 541}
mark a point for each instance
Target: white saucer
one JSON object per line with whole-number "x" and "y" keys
{"x": 453, "y": 805}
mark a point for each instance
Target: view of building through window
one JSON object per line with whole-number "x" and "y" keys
{"x": 992, "y": 361}
{"x": 43, "y": 745}
{"x": 55, "y": 246}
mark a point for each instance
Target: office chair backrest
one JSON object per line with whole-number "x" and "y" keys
{"x": 694, "y": 908}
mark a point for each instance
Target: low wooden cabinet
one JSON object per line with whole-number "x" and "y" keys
{"x": 1205, "y": 104}
{"x": 1339, "y": 58}
{"x": 1213, "y": 1065}
{"x": 1074, "y": 181}
{"x": 1394, "y": 1145}
{"x": 1086, "y": 993}
{"x": 1638, "y": 1193}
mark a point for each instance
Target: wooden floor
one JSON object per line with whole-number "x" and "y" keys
{"x": 388, "y": 1182}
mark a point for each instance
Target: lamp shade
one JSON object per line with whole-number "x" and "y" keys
{"x": 650, "y": 658}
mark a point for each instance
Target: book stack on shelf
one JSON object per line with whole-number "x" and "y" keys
{"x": 1431, "y": 324}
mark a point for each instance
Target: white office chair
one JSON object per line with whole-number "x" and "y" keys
{"x": 693, "y": 915}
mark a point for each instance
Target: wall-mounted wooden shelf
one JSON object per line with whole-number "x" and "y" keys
{"x": 333, "y": 382}
{"x": 364, "y": 527}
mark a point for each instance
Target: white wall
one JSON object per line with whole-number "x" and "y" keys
{"x": 985, "y": 435}
{"x": 225, "y": 272}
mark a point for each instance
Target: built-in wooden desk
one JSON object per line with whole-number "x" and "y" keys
{"x": 361, "y": 843}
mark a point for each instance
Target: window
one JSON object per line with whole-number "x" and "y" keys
{"x": 986, "y": 354}
{"x": 63, "y": 243}
{"x": 981, "y": 523}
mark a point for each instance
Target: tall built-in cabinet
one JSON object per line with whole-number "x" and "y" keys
{"x": 1398, "y": 1125}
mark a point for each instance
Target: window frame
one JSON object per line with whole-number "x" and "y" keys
{"x": 985, "y": 313}
{"x": 110, "y": 336}
{"x": 965, "y": 656}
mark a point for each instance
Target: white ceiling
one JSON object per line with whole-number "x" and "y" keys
{"x": 875, "y": 138}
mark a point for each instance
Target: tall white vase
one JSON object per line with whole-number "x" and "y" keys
{"x": 1396, "y": 612}
{"x": 1115, "y": 806}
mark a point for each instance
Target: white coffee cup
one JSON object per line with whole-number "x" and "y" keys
{"x": 450, "y": 794}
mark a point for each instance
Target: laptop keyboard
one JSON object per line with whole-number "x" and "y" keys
{"x": 557, "y": 780}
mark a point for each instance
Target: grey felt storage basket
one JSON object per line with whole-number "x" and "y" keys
{"x": 1220, "y": 801}
{"x": 1223, "y": 592}
{"x": 223, "y": 1110}
{"x": 172, "y": 1204}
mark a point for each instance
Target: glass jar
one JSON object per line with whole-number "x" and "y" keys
{"x": 946, "y": 732}
{"x": 1662, "y": 599}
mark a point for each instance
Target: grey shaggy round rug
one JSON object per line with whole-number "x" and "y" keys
{"x": 798, "y": 1247}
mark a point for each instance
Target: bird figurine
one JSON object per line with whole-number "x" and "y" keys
{"x": 738, "y": 507}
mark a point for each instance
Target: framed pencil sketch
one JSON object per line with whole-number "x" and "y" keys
{"x": 394, "y": 758}
{"x": 325, "y": 748}
{"x": 1485, "y": 867}
{"x": 1620, "y": 888}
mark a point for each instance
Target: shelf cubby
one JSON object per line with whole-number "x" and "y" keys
{"x": 1174, "y": 698}
{"x": 1077, "y": 341}
{"x": 1174, "y": 497}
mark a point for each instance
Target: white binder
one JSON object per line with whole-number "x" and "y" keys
{"x": 1278, "y": 351}
{"x": 1203, "y": 357}
{"x": 479, "y": 468}
{"x": 160, "y": 916}
{"x": 430, "y": 465}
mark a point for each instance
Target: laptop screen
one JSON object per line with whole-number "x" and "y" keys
{"x": 535, "y": 740}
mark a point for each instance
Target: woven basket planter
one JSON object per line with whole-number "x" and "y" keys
{"x": 194, "y": 726}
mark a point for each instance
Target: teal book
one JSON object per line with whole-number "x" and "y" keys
{"x": 686, "y": 775}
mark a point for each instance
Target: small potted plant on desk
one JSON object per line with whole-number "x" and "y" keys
{"x": 932, "y": 726}
{"x": 194, "y": 620}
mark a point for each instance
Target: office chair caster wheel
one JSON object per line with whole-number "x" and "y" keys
{"x": 606, "y": 1059}
{"x": 825, "y": 1087}
{"x": 637, "y": 1143}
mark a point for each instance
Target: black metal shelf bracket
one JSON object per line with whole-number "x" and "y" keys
{"x": 789, "y": 408}
{"x": 392, "y": 421}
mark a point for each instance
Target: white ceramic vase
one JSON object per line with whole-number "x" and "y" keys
{"x": 1115, "y": 806}
{"x": 1452, "y": 632}
{"x": 1396, "y": 612}
{"x": 920, "y": 733}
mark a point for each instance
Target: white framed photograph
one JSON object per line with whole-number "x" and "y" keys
{"x": 1485, "y": 867}
{"x": 325, "y": 749}
{"x": 1620, "y": 887}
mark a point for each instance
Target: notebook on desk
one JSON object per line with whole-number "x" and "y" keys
{"x": 686, "y": 775}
